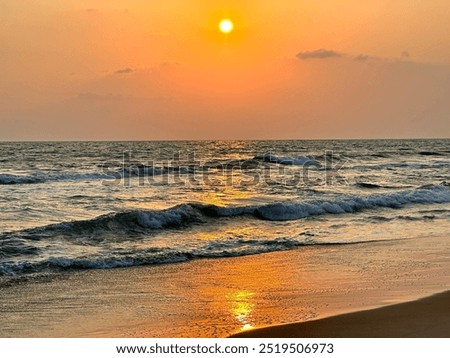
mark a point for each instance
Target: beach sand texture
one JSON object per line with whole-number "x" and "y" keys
{"x": 424, "y": 318}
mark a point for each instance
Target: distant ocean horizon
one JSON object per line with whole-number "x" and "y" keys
{"x": 312, "y": 139}
{"x": 104, "y": 205}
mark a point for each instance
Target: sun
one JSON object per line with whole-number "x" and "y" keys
{"x": 226, "y": 26}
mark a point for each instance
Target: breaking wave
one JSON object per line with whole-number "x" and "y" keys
{"x": 96, "y": 243}
{"x": 186, "y": 214}
{"x": 158, "y": 256}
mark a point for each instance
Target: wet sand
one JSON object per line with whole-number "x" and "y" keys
{"x": 219, "y": 297}
{"x": 424, "y": 318}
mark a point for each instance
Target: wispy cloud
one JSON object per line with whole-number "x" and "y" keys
{"x": 124, "y": 71}
{"x": 362, "y": 58}
{"x": 318, "y": 54}
{"x": 405, "y": 54}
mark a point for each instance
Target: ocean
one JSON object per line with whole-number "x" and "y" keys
{"x": 71, "y": 206}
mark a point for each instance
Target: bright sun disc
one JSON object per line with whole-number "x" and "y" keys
{"x": 226, "y": 26}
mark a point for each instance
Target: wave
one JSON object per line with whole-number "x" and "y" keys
{"x": 141, "y": 170}
{"x": 351, "y": 204}
{"x": 196, "y": 213}
{"x": 131, "y": 171}
{"x": 13, "y": 179}
{"x": 127, "y": 172}
{"x": 431, "y": 153}
{"x": 366, "y": 185}
{"x": 158, "y": 256}
{"x": 376, "y": 218}
{"x": 258, "y": 162}
{"x": 300, "y": 160}
{"x": 392, "y": 166}
{"x": 125, "y": 238}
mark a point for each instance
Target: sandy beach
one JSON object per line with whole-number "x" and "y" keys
{"x": 217, "y": 298}
{"x": 423, "y": 318}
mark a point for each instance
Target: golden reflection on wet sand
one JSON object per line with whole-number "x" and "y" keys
{"x": 242, "y": 307}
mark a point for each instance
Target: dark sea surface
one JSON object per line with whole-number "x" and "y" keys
{"x": 85, "y": 205}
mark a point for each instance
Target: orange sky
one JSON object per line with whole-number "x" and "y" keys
{"x": 135, "y": 69}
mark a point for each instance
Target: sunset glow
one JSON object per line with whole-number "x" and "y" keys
{"x": 226, "y": 26}
{"x": 223, "y": 70}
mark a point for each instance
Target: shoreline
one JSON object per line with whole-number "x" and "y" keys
{"x": 220, "y": 297}
{"x": 423, "y": 318}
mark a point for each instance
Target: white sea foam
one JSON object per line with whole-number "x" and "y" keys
{"x": 350, "y": 204}
{"x": 139, "y": 257}
{"x": 177, "y": 216}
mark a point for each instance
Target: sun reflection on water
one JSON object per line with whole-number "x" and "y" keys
{"x": 223, "y": 197}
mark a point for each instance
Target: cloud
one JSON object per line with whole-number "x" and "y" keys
{"x": 318, "y": 54}
{"x": 124, "y": 71}
{"x": 161, "y": 66}
{"x": 169, "y": 64}
{"x": 361, "y": 58}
